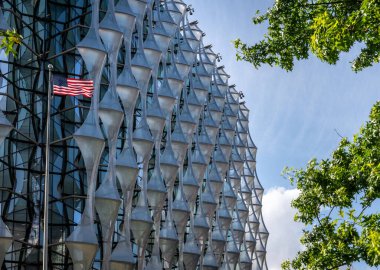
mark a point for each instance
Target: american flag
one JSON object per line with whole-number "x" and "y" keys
{"x": 72, "y": 87}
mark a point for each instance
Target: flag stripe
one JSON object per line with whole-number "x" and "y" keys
{"x": 70, "y": 93}
{"x": 78, "y": 90}
{"x": 71, "y": 90}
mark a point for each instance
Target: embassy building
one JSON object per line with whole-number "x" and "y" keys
{"x": 153, "y": 169}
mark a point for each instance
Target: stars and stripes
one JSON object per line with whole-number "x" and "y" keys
{"x": 72, "y": 87}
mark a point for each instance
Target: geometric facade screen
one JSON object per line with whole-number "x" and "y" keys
{"x": 157, "y": 170}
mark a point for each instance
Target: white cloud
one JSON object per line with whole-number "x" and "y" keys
{"x": 283, "y": 242}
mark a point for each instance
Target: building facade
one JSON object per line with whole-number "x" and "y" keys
{"x": 157, "y": 170}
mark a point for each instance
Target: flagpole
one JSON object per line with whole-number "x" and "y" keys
{"x": 47, "y": 177}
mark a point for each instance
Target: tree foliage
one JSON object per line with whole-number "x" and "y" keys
{"x": 324, "y": 27}
{"x": 337, "y": 203}
{"x": 340, "y": 196}
{"x": 9, "y": 38}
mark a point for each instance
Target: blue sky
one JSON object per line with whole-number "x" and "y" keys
{"x": 294, "y": 116}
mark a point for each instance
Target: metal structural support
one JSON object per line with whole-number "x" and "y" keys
{"x": 157, "y": 170}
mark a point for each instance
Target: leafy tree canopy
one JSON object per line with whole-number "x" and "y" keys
{"x": 337, "y": 203}
{"x": 324, "y": 27}
{"x": 8, "y": 39}
{"x": 340, "y": 196}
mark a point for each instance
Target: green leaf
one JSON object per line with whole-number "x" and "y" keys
{"x": 10, "y": 38}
